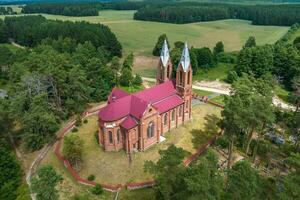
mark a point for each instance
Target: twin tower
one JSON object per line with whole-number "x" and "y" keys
{"x": 184, "y": 72}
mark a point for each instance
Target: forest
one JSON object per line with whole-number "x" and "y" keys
{"x": 281, "y": 15}
{"x": 31, "y": 30}
{"x": 80, "y": 9}
{"x": 62, "y": 9}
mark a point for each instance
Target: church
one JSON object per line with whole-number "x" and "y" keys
{"x": 134, "y": 122}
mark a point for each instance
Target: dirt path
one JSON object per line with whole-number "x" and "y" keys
{"x": 224, "y": 88}
{"x": 38, "y": 159}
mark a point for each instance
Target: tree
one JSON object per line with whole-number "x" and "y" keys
{"x": 3, "y": 32}
{"x": 115, "y": 66}
{"x": 167, "y": 171}
{"x": 128, "y": 62}
{"x": 257, "y": 60}
{"x": 44, "y": 185}
{"x": 250, "y": 42}
{"x": 219, "y": 48}
{"x": 10, "y": 172}
{"x": 137, "y": 80}
{"x": 39, "y": 124}
{"x": 290, "y": 183}
{"x": 297, "y": 40}
{"x": 126, "y": 77}
{"x": 158, "y": 46}
{"x": 232, "y": 77}
{"x": 242, "y": 182}
{"x": 72, "y": 150}
{"x": 204, "y": 58}
{"x": 295, "y": 96}
{"x": 202, "y": 180}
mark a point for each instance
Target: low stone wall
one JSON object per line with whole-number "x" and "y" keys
{"x": 115, "y": 188}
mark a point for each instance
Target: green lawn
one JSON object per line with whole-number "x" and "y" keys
{"x": 202, "y": 92}
{"x": 114, "y": 167}
{"x": 140, "y": 36}
{"x": 218, "y": 72}
{"x": 219, "y": 99}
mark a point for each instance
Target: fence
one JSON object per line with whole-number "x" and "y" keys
{"x": 130, "y": 186}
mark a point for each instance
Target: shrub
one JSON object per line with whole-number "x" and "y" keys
{"x": 91, "y": 177}
{"x": 75, "y": 129}
{"x": 137, "y": 80}
{"x": 85, "y": 121}
{"x": 222, "y": 141}
{"x": 78, "y": 121}
{"x": 231, "y": 77}
{"x": 97, "y": 190}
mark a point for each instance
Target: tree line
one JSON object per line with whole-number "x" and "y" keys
{"x": 80, "y": 9}
{"x": 31, "y": 30}
{"x": 282, "y": 15}
{"x": 7, "y": 11}
{"x": 62, "y": 9}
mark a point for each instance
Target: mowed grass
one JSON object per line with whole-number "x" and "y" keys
{"x": 139, "y": 37}
{"x": 218, "y": 72}
{"x": 114, "y": 167}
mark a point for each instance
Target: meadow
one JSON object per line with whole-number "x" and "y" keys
{"x": 140, "y": 37}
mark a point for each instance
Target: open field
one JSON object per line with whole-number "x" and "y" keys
{"x": 140, "y": 36}
{"x": 114, "y": 167}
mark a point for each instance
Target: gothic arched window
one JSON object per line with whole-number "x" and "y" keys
{"x": 110, "y": 136}
{"x": 150, "y": 130}
{"x": 118, "y": 135}
{"x": 166, "y": 119}
{"x": 173, "y": 115}
{"x": 189, "y": 77}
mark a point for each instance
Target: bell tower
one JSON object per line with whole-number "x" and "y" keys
{"x": 184, "y": 75}
{"x": 164, "y": 69}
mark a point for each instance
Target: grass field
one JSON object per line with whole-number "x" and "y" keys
{"x": 113, "y": 167}
{"x": 139, "y": 37}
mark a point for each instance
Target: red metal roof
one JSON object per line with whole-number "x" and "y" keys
{"x": 162, "y": 96}
{"x": 168, "y": 103}
{"x": 129, "y": 123}
{"x": 117, "y": 93}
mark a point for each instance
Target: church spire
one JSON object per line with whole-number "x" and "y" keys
{"x": 164, "y": 54}
{"x": 185, "y": 58}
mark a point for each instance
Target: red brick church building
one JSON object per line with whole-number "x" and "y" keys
{"x": 134, "y": 122}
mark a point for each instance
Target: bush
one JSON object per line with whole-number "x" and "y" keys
{"x": 222, "y": 141}
{"x": 231, "y": 77}
{"x": 85, "y": 121}
{"x": 97, "y": 190}
{"x": 75, "y": 129}
{"x": 78, "y": 121}
{"x": 226, "y": 58}
{"x": 91, "y": 177}
{"x": 137, "y": 80}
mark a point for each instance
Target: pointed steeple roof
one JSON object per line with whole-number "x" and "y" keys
{"x": 164, "y": 54}
{"x": 185, "y": 58}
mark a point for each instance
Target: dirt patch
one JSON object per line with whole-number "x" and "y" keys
{"x": 145, "y": 65}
